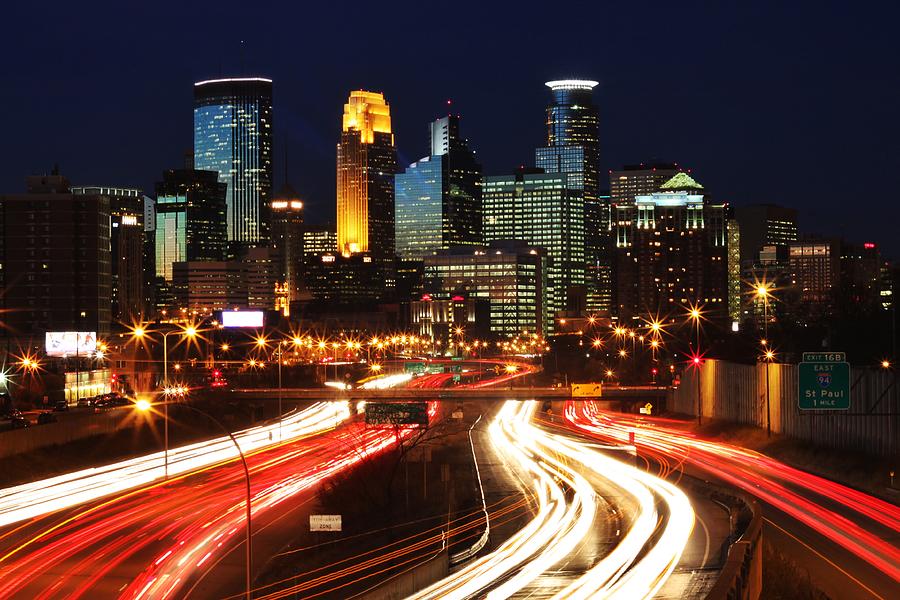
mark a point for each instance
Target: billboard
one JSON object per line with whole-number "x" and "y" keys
{"x": 242, "y": 318}
{"x": 70, "y": 343}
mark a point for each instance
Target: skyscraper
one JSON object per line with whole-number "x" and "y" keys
{"x": 126, "y": 212}
{"x": 573, "y": 147}
{"x": 287, "y": 241}
{"x": 672, "y": 254}
{"x": 190, "y": 223}
{"x": 366, "y": 164}
{"x": 233, "y": 136}
{"x": 438, "y": 198}
{"x": 541, "y": 209}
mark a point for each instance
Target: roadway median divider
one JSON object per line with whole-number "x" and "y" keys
{"x": 472, "y": 550}
{"x": 741, "y": 575}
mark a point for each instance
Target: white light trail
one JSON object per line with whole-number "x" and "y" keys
{"x": 65, "y": 491}
{"x": 567, "y": 505}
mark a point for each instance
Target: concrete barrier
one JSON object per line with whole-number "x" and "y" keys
{"x": 69, "y": 428}
{"x": 741, "y": 576}
{"x": 410, "y": 581}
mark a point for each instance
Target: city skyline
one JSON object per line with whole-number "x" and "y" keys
{"x": 729, "y": 115}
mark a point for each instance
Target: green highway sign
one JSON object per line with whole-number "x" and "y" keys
{"x": 414, "y": 367}
{"x": 824, "y": 383}
{"x": 396, "y": 413}
{"x": 824, "y": 357}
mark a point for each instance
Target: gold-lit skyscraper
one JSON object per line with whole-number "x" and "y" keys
{"x": 366, "y": 164}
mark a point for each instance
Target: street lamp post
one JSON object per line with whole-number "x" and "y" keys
{"x": 280, "y": 359}
{"x": 189, "y": 332}
{"x": 144, "y": 405}
{"x": 762, "y": 291}
{"x": 695, "y": 316}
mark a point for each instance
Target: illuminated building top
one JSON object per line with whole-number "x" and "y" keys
{"x": 681, "y": 181}
{"x": 572, "y": 84}
{"x": 368, "y": 113}
{"x": 233, "y": 80}
{"x": 366, "y": 165}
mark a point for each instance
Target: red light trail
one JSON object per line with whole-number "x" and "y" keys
{"x": 761, "y": 476}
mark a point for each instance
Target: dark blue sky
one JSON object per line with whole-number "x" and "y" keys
{"x": 796, "y": 104}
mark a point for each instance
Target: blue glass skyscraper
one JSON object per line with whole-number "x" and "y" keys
{"x": 438, "y": 198}
{"x": 573, "y": 147}
{"x": 233, "y": 136}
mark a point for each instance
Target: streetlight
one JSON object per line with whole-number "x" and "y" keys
{"x": 763, "y": 290}
{"x": 769, "y": 356}
{"x": 694, "y": 314}
{"x": 189, "y": 332}
{"x": 146, "y": 406}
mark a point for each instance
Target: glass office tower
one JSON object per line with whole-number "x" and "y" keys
{"x": 542, "y": 210}
{"x": 190, "y": 219}
{"x": 573, "y": 147}
{"x": 233, "y": 136}
{"x": 438, "y": 198}
{"x": 366, "y": 164}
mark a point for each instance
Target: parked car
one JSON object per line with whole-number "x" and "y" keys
{"x": 61, "y": 406}
{"x": 20, "y": 422}
{"x": 46, "y": 417}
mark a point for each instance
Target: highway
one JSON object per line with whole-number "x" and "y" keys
{"x": 583, "y": 497}
{"x": 122, "y": 530}
{"x": 846, "y": 539}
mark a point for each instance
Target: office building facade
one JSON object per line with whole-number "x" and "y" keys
{"x": 672, "y": 254}
{"x": 815, "y": 269}
{"x": 55, "y": 260}
{"x": 366, "y": 165}
{"x": 765, "y": 225}
{"x": 512, "y": 276}
{"x": 438, "y": 198}
{"x": 233, "y": 137}
{"x": 126, "y": 215}
{"x": 541, "y": 210}
{"x": 190, "y": 223}
{"x": 642, "y": 179}
{"x": 318, "y": 239}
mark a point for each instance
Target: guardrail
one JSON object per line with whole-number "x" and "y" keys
{"x": 741, "y": 576}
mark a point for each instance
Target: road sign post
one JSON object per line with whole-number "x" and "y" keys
{"x": 824, "y": 381}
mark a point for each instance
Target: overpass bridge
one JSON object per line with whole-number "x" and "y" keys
{"x": 626, "y": 393}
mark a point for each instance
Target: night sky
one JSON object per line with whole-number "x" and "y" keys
{"x": 797, "y": 104}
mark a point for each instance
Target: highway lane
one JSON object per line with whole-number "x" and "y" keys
{"x": 29, "y": 500}
{"x": 846, "y": 539}
{"x": 569, "y": 550}
{"x": 155, "y": 540}
{"x": 120, "y": 531}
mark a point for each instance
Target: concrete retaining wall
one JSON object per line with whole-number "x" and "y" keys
{"x": 737, "y": 393}
{"x": 411, "y": 581}
{"x": 70, "y": 427}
